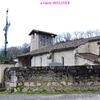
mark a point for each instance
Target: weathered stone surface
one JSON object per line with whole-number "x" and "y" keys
{"x": 70, "y": 83}
{"x": 38, "y": 84}
{"x": 32, "y": 77}
{"x": 13, "y": 84}
{"x": 63, "y": 83}
{"x": 36, "y": 89}
{"x": 7, "y": 88}
{"x": 25, "y": 90}
{"x": 15, "y": 89}
{"x": 40, "y": 77}
{"x": 81, "y": 83}
{"x": 50, "y": 79}
{"x": 55, "y": 83}
{"x": 76, "y": 83}
{"x": 13, "y": 78}
{"x": 49, "y": 84}
{"x": 7, "y": 83}
{"x": 96, "y": 83}
{"x": 89, "y": 83}
{"x": 66, "y": 78}
{"x": 26, "y": 84}
{"x": 47, "y": 78}
{"x": 20, "y": 83}
{"x": 32, "y": 84}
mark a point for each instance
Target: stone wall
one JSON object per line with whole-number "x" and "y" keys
{"x": 52, "y": 78}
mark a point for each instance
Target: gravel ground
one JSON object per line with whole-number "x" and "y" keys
{"x": 51, "y": 97}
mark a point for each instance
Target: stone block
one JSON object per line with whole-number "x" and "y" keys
{"x": 36, "y": 89}
{"x": 96, "y": 83}
{"x": 70, "y": 83}
{"x": 63, "y": 83}
{"x": 26, "y": 84}
{"x": 32, "y": 78}
{"x": 13, "y": 84}
{"x": 47, "y": 78}
{"x": 55, "y": 83}
{"x": 81, "y": 83}
{"x": 15, "y": 89}
{"x": 40, "y": 77}
{"x": 89, "y": 83}
{"x": 49, "y": 84}
{"x": 25, "y": 90}
{"x": 7, "y": 83}
{"x": 20, "y": 83}
{"x": 13, "y": 78}
{"x": 76, "y": 83}
{"x": 32, "y": 84}
{"x": 38, "y": 84}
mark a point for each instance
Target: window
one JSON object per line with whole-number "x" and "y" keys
{"x": 62, "y": 61}
{"x": 33, "y": 35}
{"x": 43, "y": 37}
{"x": 40, "y": 61}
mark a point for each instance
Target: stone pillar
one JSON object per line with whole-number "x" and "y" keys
{"x": 1, "y": 73}
{"x": 3, "y": 66}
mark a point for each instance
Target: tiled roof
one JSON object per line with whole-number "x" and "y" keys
{"x": 41, "y": 32}
{"x": 61, "y": 46}
{"x": 89, "y": 56}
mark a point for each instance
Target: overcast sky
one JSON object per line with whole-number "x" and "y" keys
{"x": 25, "y": 15}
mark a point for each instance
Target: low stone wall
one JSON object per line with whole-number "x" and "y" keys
{"x": 52, "y": 78}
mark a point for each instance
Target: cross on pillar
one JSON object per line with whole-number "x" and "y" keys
{"x": 5, "y": 35}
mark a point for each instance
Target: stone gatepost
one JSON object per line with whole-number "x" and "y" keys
{"x": 3, "y": 66}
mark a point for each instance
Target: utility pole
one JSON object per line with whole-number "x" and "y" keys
{"x": 5, "y": 35}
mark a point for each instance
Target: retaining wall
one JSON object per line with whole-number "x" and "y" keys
{"x": 52, "y": 78}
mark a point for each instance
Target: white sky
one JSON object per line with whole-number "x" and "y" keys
{"x": 25, "y": 15}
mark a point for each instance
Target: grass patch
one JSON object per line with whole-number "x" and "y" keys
{"x": 81, "y": 91}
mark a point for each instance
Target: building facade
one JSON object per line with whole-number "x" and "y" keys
{"x": 44, "y": 51}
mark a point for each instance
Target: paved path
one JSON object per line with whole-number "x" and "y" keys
{"x": 51, "y": 97}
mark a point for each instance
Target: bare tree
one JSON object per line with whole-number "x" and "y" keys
{"x": 25, "y": 48}
{"x": 13, "y": 52}
{"x": 59, "y": 39}
{"x": 81, "y": 34}
{"x": 96, "y": 32}
{"x": 76, "y": 33}
{"x": 67, "y": 36}
{"x": 89, "y": 33}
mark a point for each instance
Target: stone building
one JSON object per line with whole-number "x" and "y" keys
{"x": 44, "y": 51}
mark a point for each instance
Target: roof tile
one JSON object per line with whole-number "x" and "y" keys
{"x": 61, "y": 46}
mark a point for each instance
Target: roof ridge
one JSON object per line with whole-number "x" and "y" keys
{"x": 62, "y": 46}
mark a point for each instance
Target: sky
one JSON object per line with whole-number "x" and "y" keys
{"x": 25, "y": 15}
